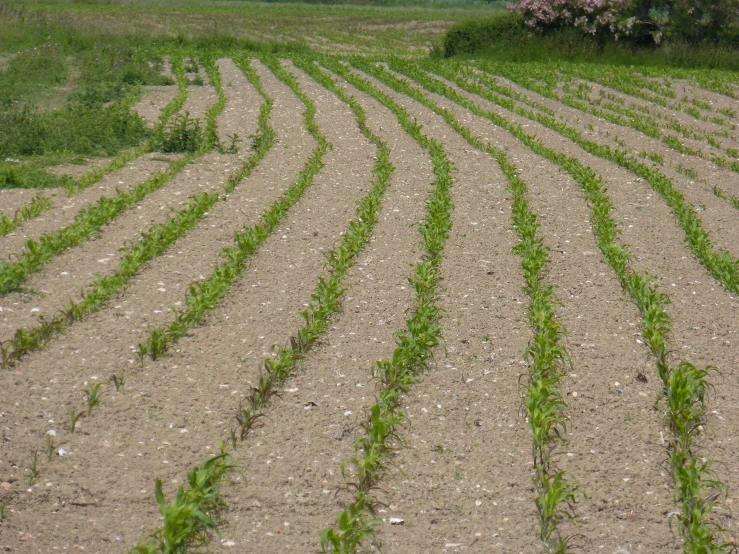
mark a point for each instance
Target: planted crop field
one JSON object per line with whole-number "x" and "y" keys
{"x": 348, "y": 303}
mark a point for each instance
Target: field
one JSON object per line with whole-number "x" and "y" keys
{"x": 334, "y": 294}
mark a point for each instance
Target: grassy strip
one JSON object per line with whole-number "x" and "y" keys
{"x": 38, "y": 205}
{"x": 722, "y": 265}
{"x": 414, "y": 344}
{"x": 325, "y": 302}
{"x": 547, "y": 356}
{"x": 685, "y": 386}
{"x": 127, "y": 156}
{"x": 88, "y": 221}
{"x": 203, "y": 296}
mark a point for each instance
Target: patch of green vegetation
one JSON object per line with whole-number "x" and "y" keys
{"x": 505, "y": 37}
{"x": 31, "y": 73}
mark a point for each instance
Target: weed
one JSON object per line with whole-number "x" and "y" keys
{"x": 184, "y": 134}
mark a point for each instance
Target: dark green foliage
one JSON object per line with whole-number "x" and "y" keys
{"x": 184, "y": 134}
{"x": 476, "y": 34}
{"x": 77, "y": 128}
{"x": 29, "y": 176}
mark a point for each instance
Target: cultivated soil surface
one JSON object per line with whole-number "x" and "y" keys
{"x": 462, "y": 478}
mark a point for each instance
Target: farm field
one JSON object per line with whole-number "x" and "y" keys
{"x": 331, "y": 299}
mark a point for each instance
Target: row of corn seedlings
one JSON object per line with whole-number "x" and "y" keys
{"x": 722, "y": 265}
{"x": 697, "y": 489}
{"x": 414, "y": 344}
{"x": 627, "y": 118}
{"x": 203, "y": 296}
{"x": 92, "y": 396}
{"x": 182, "y": 528}
{"x": 89, "y": 220}
{"x": 153, "y": 243}
{"x": 547, "y": 356}
{"x": 37, "y": 205}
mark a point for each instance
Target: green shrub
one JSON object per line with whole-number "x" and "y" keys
{"x": 78, "y": 128}
{"x": 471, "y": 36}
{"x": 184, "y": 134}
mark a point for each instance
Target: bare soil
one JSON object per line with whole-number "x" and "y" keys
{"x": 462, "y": 478}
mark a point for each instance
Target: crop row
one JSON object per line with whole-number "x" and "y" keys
{"x": 153, "y": 243}
{"x": 34, "y": 208}
{"x": 183, "y": 527}
{"x": 722, "y": 265}
{"x": 685, "y": 385}
{"x": 546, "y": 356}
{"x": 414, "y": 345}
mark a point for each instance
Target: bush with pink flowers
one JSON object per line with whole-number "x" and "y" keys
{"x": 593, "y": 17}
{"x": 637, "y": 21}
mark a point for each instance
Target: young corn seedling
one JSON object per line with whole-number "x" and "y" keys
{"x": 197, "y": 510}
{"x": 33, "y": 470}
{"x": 52, "y": 447}
{"x": 119, "y": 382}
{"x": 92, "y": 396}
{"x": 72, "y": 418}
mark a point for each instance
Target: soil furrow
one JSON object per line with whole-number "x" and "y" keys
{"x": 153, "y": 100}
{"x": 701, "y": 311}
{"x": 299, "y": 482}
{"x": 199, "y": 99}
{"x": 437, "y": 509}
{"x": 281, "y": 279}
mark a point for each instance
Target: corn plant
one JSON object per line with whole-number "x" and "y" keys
{"x": 197, "y": 509}
{"x": 119, "y": 382}
{"x": 51, "y": 447}
{"x": 92, "y": 396}
{"x": 33, "y": 470}
{"x": 38, "y": 205}
{"x": 73, "y": 416}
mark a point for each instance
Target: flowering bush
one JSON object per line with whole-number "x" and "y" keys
{"x": 593, "y": 17}
{"x": 637, "y": 21}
